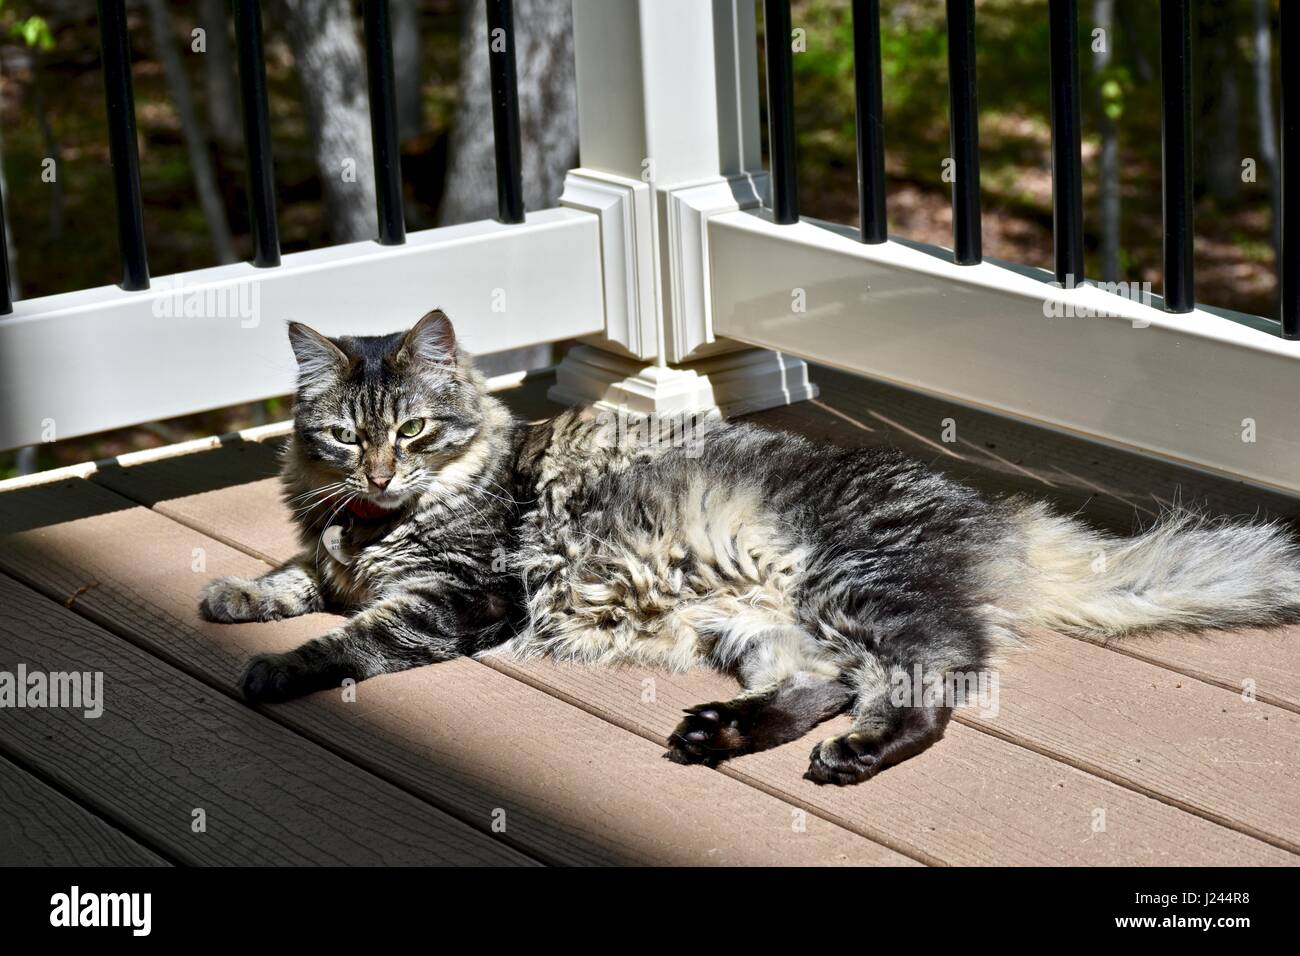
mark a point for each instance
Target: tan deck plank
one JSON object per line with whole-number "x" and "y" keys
{"x": 256, "y": 512}
{"x": 1206, "y": 749}
{"x": 573, "y": 788}
{"x": 166, "y": 745}
{"x": 216, "y": 475}
{"x": 39, "y": 826}
{"x": 970, "y": 800}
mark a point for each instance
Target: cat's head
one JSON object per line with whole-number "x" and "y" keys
{"x": 380, "y": 419}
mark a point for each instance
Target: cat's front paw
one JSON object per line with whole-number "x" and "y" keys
{"x": 268, "y": 679}
{"x": 231, "y": 601}
{"x": 849, "y": 758}
{"x": 710, "y": 733}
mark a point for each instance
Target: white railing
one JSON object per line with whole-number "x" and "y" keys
{"x": 688, "y": 296}
{"x": 83, "y": 362}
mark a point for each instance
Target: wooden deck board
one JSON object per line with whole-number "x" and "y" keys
{"x": 252, "y": 512}
{"x": 166, "y": 745}
{"x": 1203, "y": 748}
{"x": 39, "y": 826}
{"x": 217, "y": 475}
{"x": 970, "y": 800}
{"x": 459, "y": 734}
{"x": 1153, "y": 731}
{"x": 235, "y": 490}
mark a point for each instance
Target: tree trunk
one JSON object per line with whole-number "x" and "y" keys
{"x": 331, "y": 69}
{"x": 219, "y": 72}
{"x": 408, "y": 54}
{"x": 1220, "y": 139}
{"x": 11, "y": 250}
{"x": 196, "y": 143}
{"x": 548, "y": 111}
{"x": 24, "y": 458}
{"x": 54, "y": 221}
{"x": 1108, "y": 179}
{"x": 1263, "y": 71}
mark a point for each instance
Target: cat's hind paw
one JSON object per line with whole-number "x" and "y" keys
{"x": 709, "y": 734}
{"x": 270, "y": 679}
{"x": 847, "y": 759}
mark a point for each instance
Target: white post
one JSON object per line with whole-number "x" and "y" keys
{"x": 668, "y": 137}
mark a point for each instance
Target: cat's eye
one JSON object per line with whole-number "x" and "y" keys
{"x": 344, "y": 434}
{"x": 411, "y": 427}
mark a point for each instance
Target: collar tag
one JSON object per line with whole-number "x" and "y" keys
{"x": 333, "y": 541}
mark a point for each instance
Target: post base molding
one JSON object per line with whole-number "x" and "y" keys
{"x": 734, "y": 383}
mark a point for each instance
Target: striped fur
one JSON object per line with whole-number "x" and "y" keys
{"x": 827, "y": 579}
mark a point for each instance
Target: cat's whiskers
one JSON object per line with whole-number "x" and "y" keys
{"x": 321, "y": 495}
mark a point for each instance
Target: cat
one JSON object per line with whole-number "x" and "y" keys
{"x": 825, "y": 579}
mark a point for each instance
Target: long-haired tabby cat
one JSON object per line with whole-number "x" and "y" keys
{"x": 823, "y": 578}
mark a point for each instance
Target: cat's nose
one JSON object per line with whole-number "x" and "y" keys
{"x": 380, "y": 481}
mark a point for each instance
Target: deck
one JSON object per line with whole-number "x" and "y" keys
{"x": 1165, "y": 750}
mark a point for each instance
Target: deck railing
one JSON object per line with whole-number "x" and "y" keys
{"x": 1067, "y": 175}
{"x": 88, "y": 360}
{"x": 688, "y": 267}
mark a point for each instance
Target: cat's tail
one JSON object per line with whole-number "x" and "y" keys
{"x": 1185, "y": 572}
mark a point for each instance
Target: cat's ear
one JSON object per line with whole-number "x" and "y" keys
{"x": 315, "y": 353}
{"x": 431, "y": 341}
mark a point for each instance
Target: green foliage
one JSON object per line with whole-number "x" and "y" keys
{"x": 35, "y": 32}
{"x": 1113, "y": 83}
{"x": 32, "y": 29}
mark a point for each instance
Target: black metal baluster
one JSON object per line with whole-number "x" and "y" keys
{"x": 383, "y": 123}
{"x": 780, "y": 110}
{"x": 1176, "y": 146}
{"x": 257, "y": 133}
{"x": 116, "y": 55}
{"x": 873, "y": 225}
{"x": 1289, "y": 255}
{"x": 505, "y": 110}
{"x": 964, "y": 133}
{"x": 1067, "y": 164}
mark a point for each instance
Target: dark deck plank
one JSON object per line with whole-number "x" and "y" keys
{"x": 166, "y": 745}
{"x": 573, "y": 788}
{"x": 39, "y": 826}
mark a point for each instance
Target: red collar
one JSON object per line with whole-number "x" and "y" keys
{"x": 367, "y": 510}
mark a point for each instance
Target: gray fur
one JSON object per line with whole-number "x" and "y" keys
{"x": 824, "y": 578}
